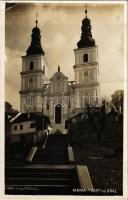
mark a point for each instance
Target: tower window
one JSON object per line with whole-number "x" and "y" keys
{"x": 86, "y": 98}
{"x": 85, "y": 77}
{"x": 30, "y": 82}
{"x": 31, "y": 65}
{"x": 85, "y": 57}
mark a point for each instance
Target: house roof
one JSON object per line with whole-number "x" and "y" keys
{"x": 22, "y": 117}
{"x": 15, "y": 117}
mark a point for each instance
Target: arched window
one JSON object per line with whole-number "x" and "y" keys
{"x": 30, "y": 82}
{"x": 85, "y": 57}
{"x": 86, "y": 99}
{"x": 31, "y": 65}
{"x": 85, "y": 76}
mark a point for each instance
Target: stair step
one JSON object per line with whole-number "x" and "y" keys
{"x": 41, "y": 190}
{"x": 40, "y": 168}
{"x": 40, "y": 181}
{"x": 51, "y": 162}
{"x": 49, "y": 172}
{"x": 49, "y": 159}
{"x": 38, "y": 172}
{"x": 59, "y": 180}
{"x": 40, "y": 175}
{"x": 51, "y": 155}
{"x": 57, "y": 163}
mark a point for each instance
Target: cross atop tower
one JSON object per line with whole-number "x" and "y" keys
{"x": 58, "y": 68}
{"x": 86, "y": 11}
{"x": 36, "y": 22}
{"x": 86, "y": 34}
{"x": 35, "y": 46}
{"x": 36, "y": 19}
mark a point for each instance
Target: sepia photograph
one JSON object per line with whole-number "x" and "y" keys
{"x": 64, "y": 98}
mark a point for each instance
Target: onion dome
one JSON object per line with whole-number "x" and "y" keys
{"x": 35, "y": 46}
{"x": 86, "y": 35}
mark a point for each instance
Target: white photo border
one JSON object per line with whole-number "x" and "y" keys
{"x": 2, "y": 99}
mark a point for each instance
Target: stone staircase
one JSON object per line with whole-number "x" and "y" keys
{"x": 51, "y": 156}
{"x": 44, "y": 180}
{"x": 48, "y": 171}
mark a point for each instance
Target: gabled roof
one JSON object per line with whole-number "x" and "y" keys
{"x": 58, "y": 75}
{"x": 15, "y": 117}
{"x": 22, "y": 117}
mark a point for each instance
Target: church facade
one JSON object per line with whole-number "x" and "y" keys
{"x": 57, "y": 97}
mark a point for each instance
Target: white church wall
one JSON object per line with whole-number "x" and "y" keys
{"x": 38, "y": 61}
{"x": 92, "y": 55}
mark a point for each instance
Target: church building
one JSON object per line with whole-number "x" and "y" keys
{"x": 57, "y": 97}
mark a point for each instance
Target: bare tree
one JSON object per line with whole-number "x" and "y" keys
{"x": 117, "y": 102}
{"x": 97, "y": 116}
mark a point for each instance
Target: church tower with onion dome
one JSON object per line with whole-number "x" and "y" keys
{"x": 59, "y": 98}
{"x": 33, "y": 74}
{"x": 86, "y": 68}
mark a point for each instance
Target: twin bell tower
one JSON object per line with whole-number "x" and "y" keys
{"x": 86, "y": 69}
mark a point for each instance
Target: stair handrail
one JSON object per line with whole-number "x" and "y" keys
{"x": 84, "y": 177}
{"x": 31, "y": 154}
{"x": 46, "y": 138}
{"x": 70, "y": 154}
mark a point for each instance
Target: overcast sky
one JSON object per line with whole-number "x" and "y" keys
{"x": 60, "y": 26}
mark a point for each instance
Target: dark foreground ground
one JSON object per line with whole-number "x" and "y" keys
{"x": 104, "y": 162}
{"x": 104, "y": 165}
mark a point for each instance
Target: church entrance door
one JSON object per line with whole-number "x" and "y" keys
{"x": 58, "y": 114}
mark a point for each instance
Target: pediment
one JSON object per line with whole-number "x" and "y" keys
{"x": 58, "y": 76}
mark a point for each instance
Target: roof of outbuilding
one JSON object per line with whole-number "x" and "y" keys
{"x": 28, "y": 117}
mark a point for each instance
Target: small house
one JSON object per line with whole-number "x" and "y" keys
{"x": 28, "y": 128}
